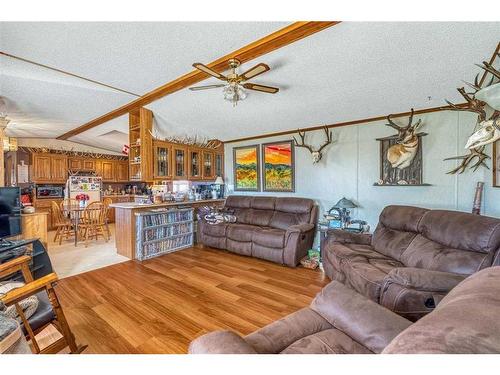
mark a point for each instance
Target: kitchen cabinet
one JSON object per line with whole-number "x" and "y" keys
{"x": 74, "y": 164}
{"x": 194, "y": 163}
{"x": 41, "y": 167}
{"x": 108, "y": 171}
{"x": 162, "y": 160}
{"x": 88, "y": 164}
{"x": 121, "y": 171}
{"x": 180, "y": 162}
{"x": 116, "y": 199}
{"x": 219, "y": 164}
{"x": 208, "y": 165}
{"x": 45, "y": 205}
{"x": 49, "y": 168}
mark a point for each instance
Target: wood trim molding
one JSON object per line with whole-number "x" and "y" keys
{"x": 365, "y": 120}
{"x": 271, "y": 42}
{"x": 345, "y": 123}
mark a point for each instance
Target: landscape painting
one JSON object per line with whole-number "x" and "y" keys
{"x": 278, "y": 165}
{"x": 246, "y": 168}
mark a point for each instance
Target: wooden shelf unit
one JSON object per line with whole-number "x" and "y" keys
{"x": 141, "y": 145}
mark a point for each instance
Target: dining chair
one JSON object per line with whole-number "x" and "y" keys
{"x": 93, "y": 223}
{"x": 48, "y": 312}
{"x": 64, "y": 227}
{"x": 107, "y": 201}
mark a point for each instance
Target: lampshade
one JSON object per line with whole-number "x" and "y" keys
{"x": 219, "y": 181}
{"x": 345, "y": 203}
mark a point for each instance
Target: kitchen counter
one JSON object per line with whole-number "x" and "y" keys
{"x": 132, "y": 205}
{"x": 125, "y": 220}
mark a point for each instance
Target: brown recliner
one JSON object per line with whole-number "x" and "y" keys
{"x": 341, "y": 321}
{"x": 277, "y": 229}
{"x": 414, "y": 257}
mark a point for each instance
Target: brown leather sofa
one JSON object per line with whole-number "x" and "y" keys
{"x": 414, "y": 257}
{"x": 341, "y": 321}
{"x": 277, "y": 229}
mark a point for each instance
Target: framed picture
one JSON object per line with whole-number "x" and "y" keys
{"x": 278, "y": 165}
{"x": 496, "y": 163}
{"x": 246, "y": 168}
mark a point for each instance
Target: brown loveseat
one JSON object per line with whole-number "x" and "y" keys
{"x": 277, "y": 229}
{"x": 341, "y": 321}
{"x": 414, "y": 257}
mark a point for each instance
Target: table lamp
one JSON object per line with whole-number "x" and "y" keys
{"x": 342, "y": 207}
{"x": 218, "y": 183}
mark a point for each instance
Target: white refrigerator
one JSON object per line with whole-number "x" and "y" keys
{"x": 90, "y": 185}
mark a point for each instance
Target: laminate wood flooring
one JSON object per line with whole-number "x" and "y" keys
{"x": 160, "y": 305}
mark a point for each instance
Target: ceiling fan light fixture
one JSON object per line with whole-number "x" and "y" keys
{"x": 234, "y": 93}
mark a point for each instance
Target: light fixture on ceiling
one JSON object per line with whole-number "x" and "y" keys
{"x": 235, "y": 88}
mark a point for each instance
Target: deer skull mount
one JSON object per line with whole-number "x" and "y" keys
{"x": 316, "y": 154}
{"x": 404, "y": 151}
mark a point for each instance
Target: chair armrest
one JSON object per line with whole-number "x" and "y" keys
{"x": 220, "y": 342}
{"x": 368, "y": 323}
{"x": 33, "y": 287}
{"x": 301, "y": 228}
{"x": 424, "y": 280}
{"x": 18, "y": 264}
{"x": 343, "y": 236}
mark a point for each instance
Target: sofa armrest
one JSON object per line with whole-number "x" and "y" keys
{"x": 220, "y": 342}
{"x": 344, "y": 236}
{"x": 368, "y": 323}
{"x": 301, "y": 228}
{"x": 424, "y": 280}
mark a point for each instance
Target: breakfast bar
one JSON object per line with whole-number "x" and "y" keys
{"x": 125, "y": 220}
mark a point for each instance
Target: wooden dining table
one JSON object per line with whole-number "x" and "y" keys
{"x": 75, "y": 213}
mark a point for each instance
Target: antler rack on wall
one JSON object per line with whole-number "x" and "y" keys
{"x": 72, "y": 152}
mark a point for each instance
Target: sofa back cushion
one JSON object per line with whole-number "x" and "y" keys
{"x": 273, "y": 212}
{"x": 465, "y": 321}
{"x": 397, "y": 227}
{"x": 291, "y": 211}
{"x": 454, "y": 241}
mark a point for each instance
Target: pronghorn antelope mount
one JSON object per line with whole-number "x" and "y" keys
{"x": 316, "y": 154}
{"x": 403, "y": 152}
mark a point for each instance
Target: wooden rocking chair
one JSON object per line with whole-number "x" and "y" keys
{"x": 49, "y": 310}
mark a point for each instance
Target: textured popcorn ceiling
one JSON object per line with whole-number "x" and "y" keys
{"x": 349, "y": 71}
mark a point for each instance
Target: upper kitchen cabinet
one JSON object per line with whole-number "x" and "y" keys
{"x": 208, "y": 165}
{"x": 194, "y": 163}
{"x": 162, "y": 160}
{"x": 121, "y": 171}
{"x": 49, "y": 168}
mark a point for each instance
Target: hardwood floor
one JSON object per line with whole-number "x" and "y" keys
{"x": 160, "y": 305}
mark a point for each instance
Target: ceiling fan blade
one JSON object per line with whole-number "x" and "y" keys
{"x": 197, "y": 88}
{"x": 268, "y": 89}
{"x": 255, "y": 71}
{"x": 207, "y": 70}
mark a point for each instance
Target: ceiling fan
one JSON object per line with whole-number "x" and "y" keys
{"x": 234, "y": 88}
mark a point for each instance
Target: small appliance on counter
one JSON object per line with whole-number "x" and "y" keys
{"x": 89, "y": 185}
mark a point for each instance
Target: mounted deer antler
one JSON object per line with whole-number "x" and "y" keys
{"x": 316, "y": 154}
{"x": 403, "y": 152}
{"x": 473, "y": 105}
{"x": 474, "y": 153}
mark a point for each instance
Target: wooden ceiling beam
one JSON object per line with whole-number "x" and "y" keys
{"x": 271, "y": 42}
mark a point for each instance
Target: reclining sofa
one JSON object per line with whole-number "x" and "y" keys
{"x": 341, "y": 321}
{"x": 414, "y": 257}
{"x": 280, "y": 230}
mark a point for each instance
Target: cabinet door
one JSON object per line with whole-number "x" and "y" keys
{"x": 59, "y": 168}
{"x": 180, "y": 163}
{"x": 219, "y": 164}
{"x": 75, "y": 164}
{"x": 88, "y": 164}
{"x": 194, "y": 164}
{"x": 121, "y": 171}
{"x": 208, "y": 165}
{"x": 98, "y": 167}
{"x": 162, "y": 161}
{"x": 41, "y": 168}
{"x": 108, "y": 171}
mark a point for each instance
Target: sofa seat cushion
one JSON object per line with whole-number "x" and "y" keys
{"x": 338, "y": 251}
{"x": 330, "y": 341}
{"x": 241, "y": 232}
{"x": 269, "y": 237}
{"x": 215, "y": 230}
{"x": 366, "y": 275}
{"x": 267, "y": 253}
